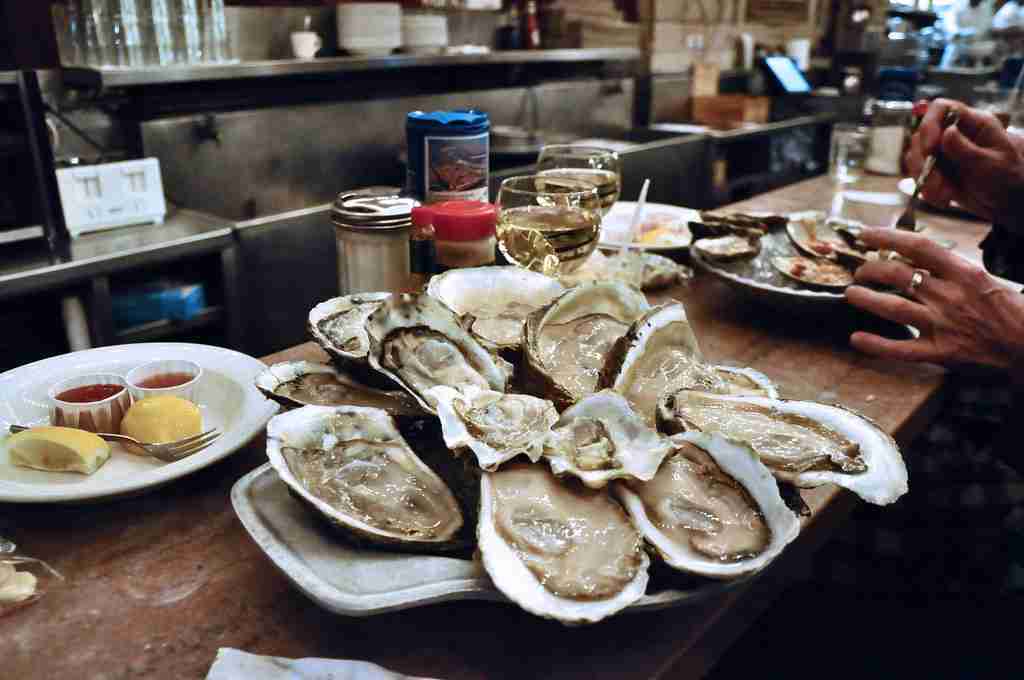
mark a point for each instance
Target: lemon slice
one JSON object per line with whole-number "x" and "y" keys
{"x": 162, "y": 419}
{"x": 58, "y": 449}
{"x": 6, "y": 572}
{"x": 18, "y": 588}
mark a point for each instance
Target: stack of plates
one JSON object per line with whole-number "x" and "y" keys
{"x": 424, "y": 33}
{"x": 370, "y": 29}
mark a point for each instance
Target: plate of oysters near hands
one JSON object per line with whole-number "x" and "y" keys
{"x": 568, "y": 450}
{"x": 796, "y": 260}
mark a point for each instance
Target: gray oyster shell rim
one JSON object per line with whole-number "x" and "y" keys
{"x": 253, "y": 499}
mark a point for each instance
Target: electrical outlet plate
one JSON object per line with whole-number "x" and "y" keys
{"x": 111, "y": 195}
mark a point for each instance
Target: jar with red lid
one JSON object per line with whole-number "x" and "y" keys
{"x": 464, "y": 233}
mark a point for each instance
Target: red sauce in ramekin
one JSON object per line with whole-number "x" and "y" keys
{"x": 87, "y": 394}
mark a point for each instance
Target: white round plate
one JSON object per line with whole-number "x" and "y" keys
{"x": 227, "y": 398}
{"x": 615, "y": 225}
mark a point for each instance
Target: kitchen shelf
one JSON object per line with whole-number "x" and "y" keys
{"x": 165, "y": 328}
{"x": 112, "y": 76}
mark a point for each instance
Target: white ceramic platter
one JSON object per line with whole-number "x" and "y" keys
{"x": 615, "y": 226}
{"x": 227, "y": 398}
{"x": 361, "y": 581}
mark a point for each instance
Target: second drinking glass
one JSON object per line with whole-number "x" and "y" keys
{"x": 597, "y": 166}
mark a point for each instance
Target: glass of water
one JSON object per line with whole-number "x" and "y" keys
{"x": 847, "y": 152}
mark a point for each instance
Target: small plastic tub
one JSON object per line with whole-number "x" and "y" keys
{"x": 166, "y": 378}
{"x": 89, "y": 402}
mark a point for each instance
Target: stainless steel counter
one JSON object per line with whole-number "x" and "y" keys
{"x": 28, "y": 268}
{"x": 748, "y": 131}
{"x": 129, "y": 77}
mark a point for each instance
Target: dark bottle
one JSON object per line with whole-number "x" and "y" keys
{"x": 509, "y": 36}
{"x": 422, "y": 248}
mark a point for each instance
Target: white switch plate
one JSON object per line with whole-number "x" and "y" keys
{"x": 111, "y": 195}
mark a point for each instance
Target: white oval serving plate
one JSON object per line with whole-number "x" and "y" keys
{"x": 227, "y": 399}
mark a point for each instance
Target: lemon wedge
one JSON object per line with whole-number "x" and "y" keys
{"x": 18, "y": 588}
{"x": 162, "y": 419}
{"x": 58, "y": 449}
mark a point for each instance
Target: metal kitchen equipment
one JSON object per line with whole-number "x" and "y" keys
{"x": 372, "y": 227}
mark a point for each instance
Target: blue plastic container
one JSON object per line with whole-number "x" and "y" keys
{"x": 449, "y": 155}
{"x": 153, "y": 303}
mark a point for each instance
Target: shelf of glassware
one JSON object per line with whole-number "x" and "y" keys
{"x": 112, "y": 76}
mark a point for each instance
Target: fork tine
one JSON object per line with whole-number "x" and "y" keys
{"x": 176, "y": 447}
{"x": 188, "y": 440}
{"x": 186, "y": 451}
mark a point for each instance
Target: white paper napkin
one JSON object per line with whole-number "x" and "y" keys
{"x": 234, "y": 664}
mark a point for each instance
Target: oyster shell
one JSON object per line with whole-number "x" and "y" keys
{"x": 304, "y": 383}
{"x": 713, "y": 509}
{"x": 352, "y": 467}
{"x": 495, "y": 426}
{"x": 658, "y": 352}
{"x": 813, "y": 272}
{"x": 337, "y": 326}
{"x": 495, "y": 301}
{"x": 745, "y": 381}
{"x": 802, "y": 442}
{"x": 567, "y": 343}
{"x": 817, "y": 240}
{"x": 601, "y": 438}
{"x": 419, "y": 343}
{"x": 558, "y": 550}
{"x": 728, "y": 248}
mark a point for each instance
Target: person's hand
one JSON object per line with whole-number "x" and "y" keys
{"x": 990, "y": 163}
{"x": 964, "y": 315}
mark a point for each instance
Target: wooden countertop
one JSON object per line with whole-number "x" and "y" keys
{"x": 157, "y": 583}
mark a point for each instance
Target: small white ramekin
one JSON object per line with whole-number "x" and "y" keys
{"x": 189, "y": 390}
{"x": 94, "y": 416}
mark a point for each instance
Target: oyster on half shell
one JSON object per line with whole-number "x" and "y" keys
{"x": 802, "y": 442}
{"x": 601, "y": 438}
{"x": 495, "y": 426}
{"x": 558, "y": 550}
{"x": 419, "y": 343}
{"x": 713, "y": 509}
{"x": 495, "y": 301}
{"x": 337, "y": 326}
{"x": 567, "y": 343}
{"x": 305, "y": 383}
{"x": 744, "y": 381}
{"x": 353, "y": 468}
{"x": 658, "y": 352}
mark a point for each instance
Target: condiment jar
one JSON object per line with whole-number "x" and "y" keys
{"x": 372, "y": 228}
{"x": 889, "y": 123}
{"x": 448, "y": 155}
{"x": 464, "y": 233}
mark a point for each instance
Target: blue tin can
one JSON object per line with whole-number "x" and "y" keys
{"x": 448, "y": 155}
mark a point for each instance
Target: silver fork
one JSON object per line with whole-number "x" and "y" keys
{"x": 169, "y": 452}
{"x": 908, "y": 220}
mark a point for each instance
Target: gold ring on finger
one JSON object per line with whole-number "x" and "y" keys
{"x": 916, "y": 279}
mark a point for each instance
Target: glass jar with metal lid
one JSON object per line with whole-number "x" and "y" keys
{"x": 890, "y": 121}
{"x": 372, "y": 228}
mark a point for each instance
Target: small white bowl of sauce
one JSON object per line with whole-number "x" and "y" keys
{"x": 167, "y": 377}
{"x": 95, "y": 402}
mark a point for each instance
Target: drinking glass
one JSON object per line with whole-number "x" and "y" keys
{"x": 597, "y": 166}
{"x": 546, "y": 223}
{"x": 847, "y": 152}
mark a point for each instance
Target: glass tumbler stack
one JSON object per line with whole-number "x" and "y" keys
{"x": 141, "y": 33}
